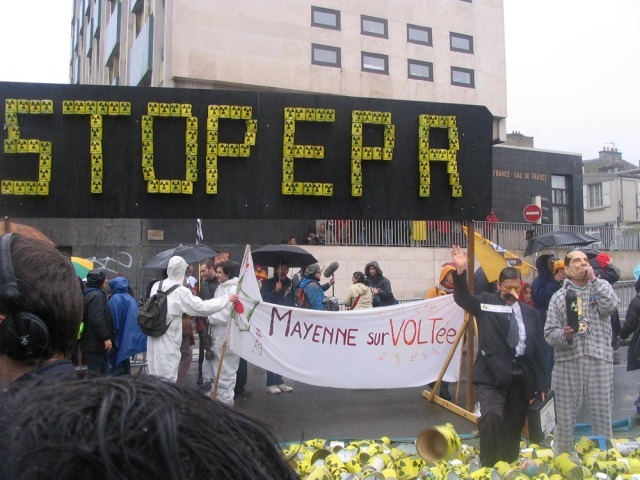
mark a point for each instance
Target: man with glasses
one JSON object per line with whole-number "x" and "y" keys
{"x": 509, "y": 369}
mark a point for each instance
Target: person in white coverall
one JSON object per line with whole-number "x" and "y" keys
{"x": 163, "y": 352}
{"x": 227, "y": 285}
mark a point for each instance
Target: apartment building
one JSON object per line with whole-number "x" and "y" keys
{"x": 611, "y": 190}
{"x": 444, "y": 51}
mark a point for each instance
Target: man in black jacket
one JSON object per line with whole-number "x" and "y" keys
{"x": 509, "y": 367}
{"x": 278, "y": 289}
{"x": 380, "y": 285}
{"x": 208, "y": 285}
{"x": 98, "y": 325}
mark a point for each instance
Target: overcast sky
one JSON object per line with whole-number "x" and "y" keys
{"x": 573, "y": 66}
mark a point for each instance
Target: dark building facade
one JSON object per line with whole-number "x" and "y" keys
{"x": 521, "y": 173}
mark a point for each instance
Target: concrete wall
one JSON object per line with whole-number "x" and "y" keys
{"x": 122, "y": 246}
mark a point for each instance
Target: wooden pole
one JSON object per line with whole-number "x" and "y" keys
{"x": 456, "y": 342}
{"x": 468, "y": 328}
{"x": 471, "y": 237}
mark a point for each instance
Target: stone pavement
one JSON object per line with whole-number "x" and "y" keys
{"x": 311, "y": 411}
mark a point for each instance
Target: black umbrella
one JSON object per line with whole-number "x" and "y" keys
{"x": 590, "y": 252}
{"x": 556, "y": 239}
{"x": 192, "y": 253}
{"x": 272, "y": 255}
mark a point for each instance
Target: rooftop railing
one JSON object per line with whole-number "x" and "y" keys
{"x": 443, "y": 233}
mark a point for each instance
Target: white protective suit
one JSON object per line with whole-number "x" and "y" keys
{"x": 163, "y": 353}
{"x": 218, "y": 321}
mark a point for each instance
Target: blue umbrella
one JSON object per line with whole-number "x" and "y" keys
{"x": 636, "y": 271}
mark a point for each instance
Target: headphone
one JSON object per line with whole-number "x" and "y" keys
{"x": 23, "y": 335}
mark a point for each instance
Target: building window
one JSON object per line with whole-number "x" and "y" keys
{"x": 377, "y": 27}
{"x": 325, "y": 18}
{"x": 325, "y": 55}
{"x": 598, "y": 195}
{"x": 420, "y": 35}
{"x": 461, "y": 43}
{"x": 374, "y": 62}
{"x": 462, "y": 77}
{"x": 139, "y": 21}
{"x": 420, "y": 70}
{"x": 560, "y": 200}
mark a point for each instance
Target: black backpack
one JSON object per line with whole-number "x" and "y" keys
{"x": 152, "y": 314}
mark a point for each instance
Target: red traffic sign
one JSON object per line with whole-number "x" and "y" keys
{"x": 532, "y": 213}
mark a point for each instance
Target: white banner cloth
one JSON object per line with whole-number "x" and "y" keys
{"x": 391, "y": 347}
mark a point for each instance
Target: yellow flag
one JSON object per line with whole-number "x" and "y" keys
{"x": 493, "y": 258}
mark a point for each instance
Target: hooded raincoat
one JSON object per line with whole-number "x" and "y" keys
{"x": 129, "y": 339}
{"x": 163, "y": 353}
{"x": 442, "y": 288}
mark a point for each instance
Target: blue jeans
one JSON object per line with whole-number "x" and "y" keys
{"x": 97, "y": 365}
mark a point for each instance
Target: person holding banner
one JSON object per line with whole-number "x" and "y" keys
{"x": 227, "y": 286}
{"x": 509, "y": 367}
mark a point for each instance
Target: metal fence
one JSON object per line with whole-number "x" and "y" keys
{"x": 128, "y": 257}
{"x": 443, "y": 233}
{"x": 625, "y": 291}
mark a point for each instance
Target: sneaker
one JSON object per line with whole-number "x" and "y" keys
{"x": 283, "y": 387}
{"x": 206, "y": 386}
{"x": 273, "y": 389}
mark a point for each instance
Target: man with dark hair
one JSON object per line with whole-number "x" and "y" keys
{"x": 96, "y": 340}
{"x": 132, "y": 427}
{"x": 581, "y": 338}
{"x": 278, "y": 290}
{"x": 208, "y": 285}
{"x": 380, "y": 285}
{"x": 48, "y": 288}
{"x": 228, "y": 284}
{"x": 549, "y": 281}
{"x": 509, "y": 367}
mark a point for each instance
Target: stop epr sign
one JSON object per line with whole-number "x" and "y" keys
{"x": 532, "y": 213}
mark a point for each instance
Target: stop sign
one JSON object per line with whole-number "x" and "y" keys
{"x": 532, "y": 213}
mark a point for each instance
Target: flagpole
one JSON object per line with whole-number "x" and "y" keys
{"x": 470, "y": 339}
{"x": 245, "y": 261}
{"x": 199, "y": 235}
